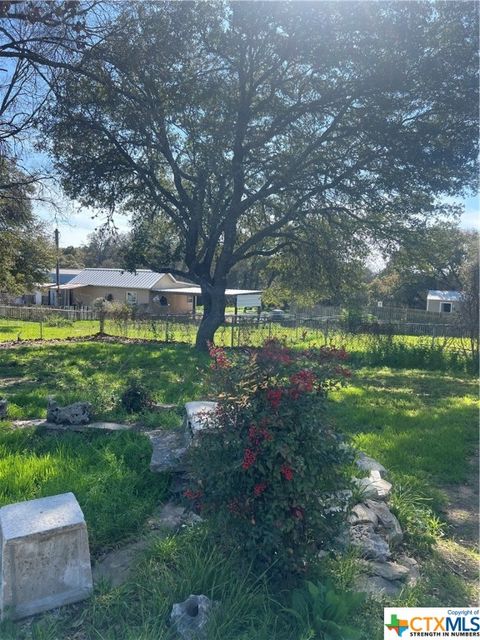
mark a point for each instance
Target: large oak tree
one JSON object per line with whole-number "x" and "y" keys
{"x": 237, "y": 122}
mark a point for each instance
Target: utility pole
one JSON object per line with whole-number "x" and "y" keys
{"x": 57, "y": 266}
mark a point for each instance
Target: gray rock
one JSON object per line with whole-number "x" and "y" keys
{"x": 169, "y": 449}
{"x": 169, "y": 516}
{"x": 190, "y": 618}
{"x": 74, "y": 414}
{"x": 387, "y": 570}
{"x": 365, "y": 463}
{"x": 374, "y": 487}
{"x": 370, "y": 544}
{"x": 377, "y": 586}
{"x": 44, "y": 556}
{"x": 116, "y": 567}
{"x": 413, "y": 568}
{"x": 361, "y": 514}
{"x": 3, "y": 408}
{"x": 387, "y": 520}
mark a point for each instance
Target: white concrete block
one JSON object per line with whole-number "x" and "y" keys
{"x": 199, "y": 415}
{"x": 44, "y": 556}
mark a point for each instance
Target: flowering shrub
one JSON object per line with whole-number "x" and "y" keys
{"x": 267, "y": 469}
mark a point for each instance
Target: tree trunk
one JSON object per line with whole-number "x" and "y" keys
{"x": 213, "y": 315}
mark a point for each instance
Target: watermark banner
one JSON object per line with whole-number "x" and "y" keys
{"x": 431, "y": 622}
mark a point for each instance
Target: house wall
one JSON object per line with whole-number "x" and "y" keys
{"x": 86, "y": 295}
{"x": 436, "y": 305}
{"x": 177, "y": 303}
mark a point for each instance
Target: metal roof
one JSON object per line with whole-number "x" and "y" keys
{"x": 197, "y": 291}
{"x": 445, "y": 296}
{"x": 66, "y": 285}
{"x": 116, "y": 278}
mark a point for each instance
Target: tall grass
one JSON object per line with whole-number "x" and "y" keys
{"x": 109, "y": 475}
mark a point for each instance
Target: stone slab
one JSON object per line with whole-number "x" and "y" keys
{"x": 377, "y": 586}
{"x": 45, "y": 559}
{"x": 168, "y": 450}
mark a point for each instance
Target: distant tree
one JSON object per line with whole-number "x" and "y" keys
{"x": 72, "y": 257}
{"x": 432, "y": 258}
{"x": 238, "y": 120}
{"x": 26, "y": 252}
{"x": 104, "y": 249}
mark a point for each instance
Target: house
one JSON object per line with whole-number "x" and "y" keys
{"x": 444, "y": 301}
{"x": 149, "y": 290}
{"x": 44, "y": 293}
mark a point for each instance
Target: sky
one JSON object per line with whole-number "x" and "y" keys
{"x": 76, "y": 223}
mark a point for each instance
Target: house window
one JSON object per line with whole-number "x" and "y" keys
{"x": 446, "y": 307}
{"x": 131, "y": 297}
{"x": 190, "y": 299}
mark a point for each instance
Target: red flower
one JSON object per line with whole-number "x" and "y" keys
{"x": 274, "y": 397}
{"x": 287, "y": 472}
{"x": 256, "y": 435}
{"x": 220, "y": 360}
{"x": 259, "y": 488}
{"x": 303, "y": 381}
{"x": 249, "y": 458}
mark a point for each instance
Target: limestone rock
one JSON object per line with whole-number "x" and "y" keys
{"x": 388, "y": 521}
{"x": 370, "y": 544}
{"x": 361, "y": 514}
{"x": 44, "y": 556}
{"x": 169, "y": 449}
{"x": 199, "y": 416}
{"x": 190, "y": 618}
{"x": 413, "y": 568}
{"x": 169, "y": 516}
{"x": 76, "y": 413}
{"x": 388, "y": 570}
{"x": 365, "y": 463}
{"x": 374, "y": 487}
{"x": 377, "y": 586}
{"x": 3, "y": 408}
{"x": 116, "y": 567}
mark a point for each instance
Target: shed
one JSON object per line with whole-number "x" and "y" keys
{"x": 444, "y": 301}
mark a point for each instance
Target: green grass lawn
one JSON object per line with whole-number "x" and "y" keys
{"x": 108, "y": 474}
{"x": 97, "y": 372}
{"x": 421, "y": 425}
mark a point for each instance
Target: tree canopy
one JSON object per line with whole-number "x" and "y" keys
{"x": 432, "y": 258}
{"x": 237, "y": 122}
{"x": 26, "y": 252}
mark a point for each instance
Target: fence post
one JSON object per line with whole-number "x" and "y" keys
{"x": 433, "y": 335}
{"x": 232, "y": 336}
{"x": 41, "y": 330}
{"x": 326, "y": 332}
{"x": 166, "y": 328}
